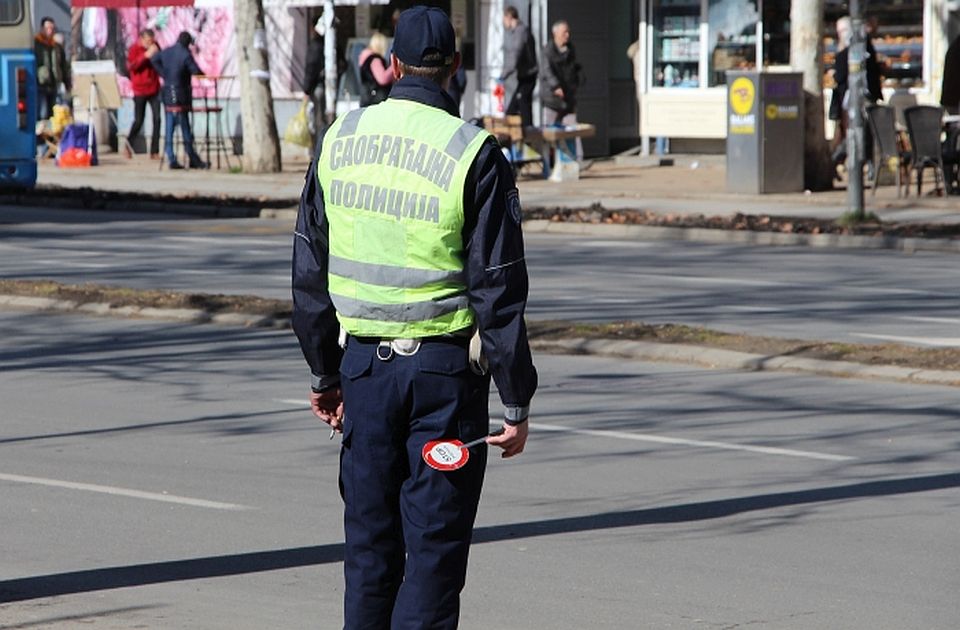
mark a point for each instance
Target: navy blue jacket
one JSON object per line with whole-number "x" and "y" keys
{"x": 494, "y": 266}
{"x": 176, "y": 66}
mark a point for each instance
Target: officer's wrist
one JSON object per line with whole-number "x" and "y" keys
{"x": 515, "y": 414}
{"x": 326, "y": 382}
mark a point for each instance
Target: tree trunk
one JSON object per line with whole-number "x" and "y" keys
{"x": 261, "y": 145}
{"x": 806, "y": 56}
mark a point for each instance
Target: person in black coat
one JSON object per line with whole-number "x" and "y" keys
{"x": 176, "y": 66}
{"x": 560, "y": 78}
{"x": 314, "y": 77}
{"x": 839, "y": 101}
{"x": 950, "y": 92}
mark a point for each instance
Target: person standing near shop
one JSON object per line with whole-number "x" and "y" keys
{"x": 53, "y": 69}
{"x": 519, "y": 75}
{"x": 950, "y": 88}
{"x": 146, "y": 90}
{"x": 177, "y": 66}
{"x": 560, "y": 78}
{"x": 408, "y": 241}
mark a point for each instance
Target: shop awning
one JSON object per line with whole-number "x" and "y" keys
{"x": 129, "y": 4}
{"x": 319, "y": 3}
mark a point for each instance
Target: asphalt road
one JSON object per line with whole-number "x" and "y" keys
{"x": 165, "y": 476}
{"x": 843, "y": 295}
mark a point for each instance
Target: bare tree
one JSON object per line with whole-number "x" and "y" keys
{"x": 806, "y": 56}
{"x": 261, "y": 144}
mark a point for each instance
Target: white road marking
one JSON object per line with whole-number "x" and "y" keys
{"x": 61, "y": 262}
{"x": 611, "y": 244}
{"x": 932, "y": 320}
{"x": 937, "y": 342}
{"x": 749, "y": 282}
{"x": 219, "y": 240}
{"x": 746, "y": 308}
{"x": 660, "y": 439}
{"x": 123, "y": 492}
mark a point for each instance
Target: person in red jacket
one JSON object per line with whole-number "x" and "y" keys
{"x": 146, "y": 89}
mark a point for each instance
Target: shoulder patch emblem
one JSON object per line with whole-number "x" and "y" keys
{"x": 513, "y": 206}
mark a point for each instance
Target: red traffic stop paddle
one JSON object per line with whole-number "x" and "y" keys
{"x": 445, "y": 455}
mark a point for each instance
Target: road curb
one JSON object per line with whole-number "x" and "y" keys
{"x": 84, "y": 199}
{"x": 741, "y": 237}
{"x": 635, "y": 350}
{"x": 730, "y": 359}
{"x": 183, "y": 315}
{"x": 88, "y": 199}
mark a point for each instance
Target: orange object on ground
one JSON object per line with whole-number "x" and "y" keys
{"x": 74, "y": 158}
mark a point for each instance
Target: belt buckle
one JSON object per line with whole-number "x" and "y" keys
{"x": 401, "y": 347}
{"x": 405, "y": 347}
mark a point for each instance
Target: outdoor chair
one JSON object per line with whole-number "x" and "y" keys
{"x": 924, "y": 127}
{"x": 888, "y": 151}
{"x": 900, "y": 100}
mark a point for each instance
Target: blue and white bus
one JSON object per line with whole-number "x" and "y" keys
{"x": 18, "y": 97}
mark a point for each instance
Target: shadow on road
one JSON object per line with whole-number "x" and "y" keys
{"x": 36, "y": 587}
{"x": 83, "y": 618}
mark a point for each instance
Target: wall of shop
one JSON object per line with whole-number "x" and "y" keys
{"x": 688, "y": 45}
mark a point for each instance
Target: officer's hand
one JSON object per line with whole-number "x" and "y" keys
{"x": 512, "y": 440}
{"x": 328, "y": 406}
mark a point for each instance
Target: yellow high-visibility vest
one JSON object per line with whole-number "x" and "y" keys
{"x": 392, "y": 177}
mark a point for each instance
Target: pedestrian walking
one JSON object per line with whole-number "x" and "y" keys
{"x": 408, "y": 251}
{"x": 146, "y": 89}
{"x": 53, "y": 69}
{"x": 176, "y": 66}
{"x": 519, "y": 75}
{"x": 560, "y": 78}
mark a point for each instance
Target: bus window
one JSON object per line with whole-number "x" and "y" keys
{"x": 11, "y": 12}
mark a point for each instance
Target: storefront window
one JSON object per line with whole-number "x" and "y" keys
{"x": 896, "y": 29}
{"x": 676, "y": 43}
{"x": 732, "y": 37}
{"x": 776, "y": 33}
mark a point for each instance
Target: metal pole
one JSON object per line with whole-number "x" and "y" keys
{"x": 330, "y": 61}
{"x": 855, "y": 86}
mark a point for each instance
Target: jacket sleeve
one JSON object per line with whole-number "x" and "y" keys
{"x": 192, "y": 66}
{"x": 314, "y": 318}
{"x": 136, "y": 60}
{"x": 547, "y": 75}
{"x": 496, "y": 276}
{"x": 511, "y": 53}
{"x": 65, "y": 70}
{"x": 157, "y": 62}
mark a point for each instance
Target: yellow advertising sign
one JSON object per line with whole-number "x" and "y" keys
{"x": 742, "y": 93}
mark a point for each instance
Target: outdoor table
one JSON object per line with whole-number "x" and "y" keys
{"x": 558, "y": 139}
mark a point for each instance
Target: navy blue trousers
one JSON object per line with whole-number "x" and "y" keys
{"x": 407, "y": 526}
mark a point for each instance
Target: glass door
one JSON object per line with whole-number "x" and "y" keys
{"x": 676, "y": 43}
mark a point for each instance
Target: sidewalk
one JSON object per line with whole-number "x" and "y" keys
{"x": 694, "y": 185}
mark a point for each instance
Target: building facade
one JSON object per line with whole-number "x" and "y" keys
{"x": 686, "y": 47}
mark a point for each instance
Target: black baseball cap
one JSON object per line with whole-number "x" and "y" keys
{"x": 424, "y": 38}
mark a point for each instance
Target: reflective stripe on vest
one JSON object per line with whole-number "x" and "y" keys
{"x": 392, "y": 177}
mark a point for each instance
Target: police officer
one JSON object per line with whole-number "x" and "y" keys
{"x": 408, "y": 242}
